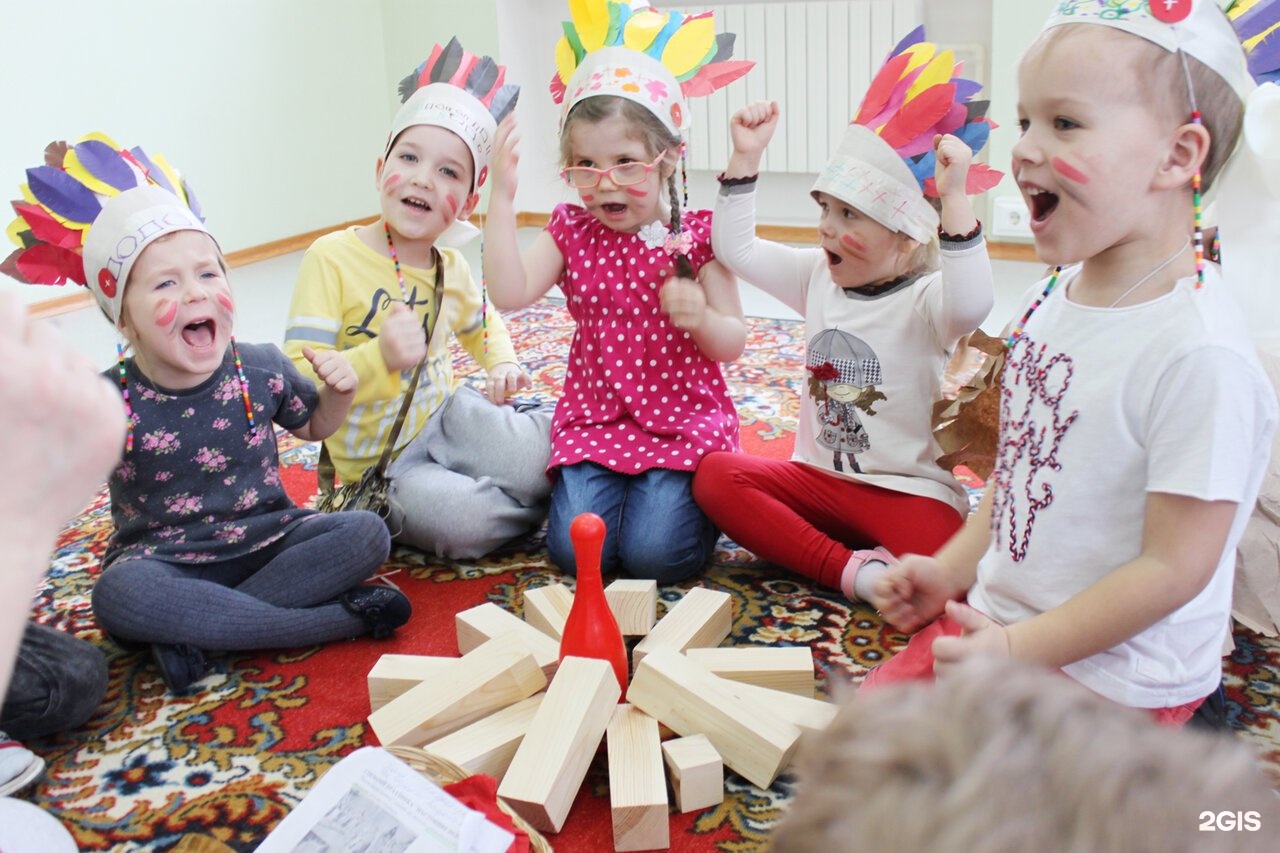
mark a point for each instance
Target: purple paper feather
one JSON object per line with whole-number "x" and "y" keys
{"x": 153, "y": 171}
{"x": 192, "y": 201}
{"x": 105, "y": 163}
{"x": 1255, "y": 21}
{"x": 63, "y": 194}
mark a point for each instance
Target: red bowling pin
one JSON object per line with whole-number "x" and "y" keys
{"x": 591, "y": 631}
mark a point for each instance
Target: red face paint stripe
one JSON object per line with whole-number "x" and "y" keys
{"x": 637, "y": 193}
{"x": 588, "y": 198}
{"x": 852, "y": 244}
{"x": 453, "y": 205}
{"x": 165, "y": 312}
{"x": 391, "y": 181}
{"x": 1062, "y": 167}
{"x": 225, "y": 302}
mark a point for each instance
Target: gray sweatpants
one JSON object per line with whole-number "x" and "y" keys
{"x": 473, "y": 479}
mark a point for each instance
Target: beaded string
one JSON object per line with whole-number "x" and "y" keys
{"x": 484, "y": 299}
{"x": 1195, "y": 203}
{"x": 244, "y": 383}
{"x": 684, "y": 174}
{"x": 124, "y": 390}
{"x": 1021, "y": 324}
{"x": 395, "y": 259}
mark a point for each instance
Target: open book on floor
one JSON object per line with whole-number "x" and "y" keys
{"x": 372, "y": 800}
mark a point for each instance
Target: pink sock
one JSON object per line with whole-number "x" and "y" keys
{"x": 849, "y": 577}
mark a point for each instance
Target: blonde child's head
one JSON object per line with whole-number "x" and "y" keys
{"x": 637, "y": 153}
{"x": 436, "y": 157}
{"x": 1000, "y": 756}
{"x": 1110, "y": 148}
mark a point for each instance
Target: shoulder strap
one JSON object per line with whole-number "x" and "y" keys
{"x": 325, "y": 470}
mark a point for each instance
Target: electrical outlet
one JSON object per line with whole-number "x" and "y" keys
{"x": 1011, "y": 218}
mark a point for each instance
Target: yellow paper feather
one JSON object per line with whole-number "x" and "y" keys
{"x": 171, "y": 174}
{"x": 16, "y": 227}
{"x": 591, "y": 20}
{"x": 689, "y": 45}
{"x": 642, "y": 28}
{"x": 566, "y": 60}
{"x": 1250, "y": 44}
{"x": 72, "y": 166}
{"x": 1240, "y": 7}
{"x": 103, "y": 138}
{"x": 920, "y": 53}
{"x": 938, "y": 70}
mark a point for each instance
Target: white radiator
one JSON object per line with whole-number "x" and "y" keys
{"x": 815, "y": 58}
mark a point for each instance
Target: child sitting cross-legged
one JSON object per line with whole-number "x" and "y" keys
{"x": 1135, "y": 419}
{"x": 208, "y": 552}
{"x": 883, "y": 307}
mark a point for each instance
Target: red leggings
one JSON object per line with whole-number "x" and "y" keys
{"x": 809, "y": 521}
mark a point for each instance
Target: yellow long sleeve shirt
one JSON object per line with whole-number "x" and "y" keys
{"x": 341, "y": 299}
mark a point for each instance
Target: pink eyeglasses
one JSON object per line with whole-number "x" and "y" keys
{"x": 622, "y": 175}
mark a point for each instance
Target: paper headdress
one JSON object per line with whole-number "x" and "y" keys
{"x": 884, "y": 163}
{"x": 460, "y": 92}
{"x": 1195, "y": 26}
{"x": 90, "y": 210}
{"x": 656, "y": 58}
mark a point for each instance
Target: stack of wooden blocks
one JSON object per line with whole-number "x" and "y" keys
{"x": 509, "y": 708}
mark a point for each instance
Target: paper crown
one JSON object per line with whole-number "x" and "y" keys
{"x": 89, "y": 211}
{"x": 461, "y": 92}
{"x": 1257, "y": 25}
{"x": 885, "y": 162}
{"x": 656, "y": 58}
{"x": 1196, "y": 26}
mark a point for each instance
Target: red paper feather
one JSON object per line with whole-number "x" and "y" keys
{"x": 919, "y": 114}
{"x": 47, "y": 229}
{"x": 881, "y": 88}
{"x": 715, "y": 75}
{"x": 46, "y": 264}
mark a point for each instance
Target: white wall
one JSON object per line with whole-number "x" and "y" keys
{"x": 274, "y": 110}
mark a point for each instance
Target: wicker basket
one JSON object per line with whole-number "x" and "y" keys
{"x": 442, "y": 771}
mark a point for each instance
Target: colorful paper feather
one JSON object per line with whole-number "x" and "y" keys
{"x": 1257, "y": 24}
{"x": 686, "y": 44}
{"x": 917, "y": 94}
{"x": 63, "y": 197}
{"x": 479, "y": 76}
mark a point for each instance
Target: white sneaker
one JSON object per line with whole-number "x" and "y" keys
{"x": 19, "y": 766}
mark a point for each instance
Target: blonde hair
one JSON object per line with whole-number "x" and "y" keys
{"x": 1159, "y": 75}
{"x": 1001, "y": 756}
{"x": 644, "y": 126}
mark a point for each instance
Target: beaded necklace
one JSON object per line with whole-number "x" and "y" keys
{"x": 395, "y": 259}
{"x": 1021, "y": 324}
{"x": 128, "y": 407}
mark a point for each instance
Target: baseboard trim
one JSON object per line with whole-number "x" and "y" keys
{"x": 67, "y": 303}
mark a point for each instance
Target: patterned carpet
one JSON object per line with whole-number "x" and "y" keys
{"x": 233, "y": 758}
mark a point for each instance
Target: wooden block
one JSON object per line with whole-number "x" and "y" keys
{"x": 486, "y": 621}
{"x": 546, "y": 608}
{"x": 489, "y": 744}
{"x": 697, "y": 772}
{"x": 553, "y": 757}
{"x": 498, "y": 673}
{"x": 804, "y": 712}
{"x": 394, "y": 674}
{"x": 699, "y": 620}
{"x": 788, "y": 668}
{"x": 634, "y": 604}
{"x": 752, "y": 739}
{"x": 637, "y": 787}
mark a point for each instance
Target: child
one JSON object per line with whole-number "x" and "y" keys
{"x": 1135, "y": 418}
{"x": 208, "y": 552}
{"x": 468, "y": 475}
{"x": 1002, "y": 756}
{"x": 644, "y": 399}
{"x": 882, "y": 320}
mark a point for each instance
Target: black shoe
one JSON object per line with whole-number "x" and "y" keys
{"x": 382, "y": 608}
{"x": 180, "y": 665}
{"x": 1212, "y": 713}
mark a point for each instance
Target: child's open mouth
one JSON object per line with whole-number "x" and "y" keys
{"x": 416, "y": 204}
{"x": 1042, "y": 203}
{"x": 614, "y": 208}
{"x": 833, "y": 259}
{"x": 199, "y": 335}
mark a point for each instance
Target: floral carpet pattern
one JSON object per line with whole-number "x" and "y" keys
{"x": 234, "y": 756}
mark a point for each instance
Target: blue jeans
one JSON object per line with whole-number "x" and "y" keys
{"x": 58, "y": 681}
{"x": 654, "y": 528}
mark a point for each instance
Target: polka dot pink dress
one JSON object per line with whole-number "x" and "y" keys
{"x": 638, "y": 394}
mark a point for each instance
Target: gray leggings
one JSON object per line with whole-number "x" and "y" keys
{"x": 280, "y": 597}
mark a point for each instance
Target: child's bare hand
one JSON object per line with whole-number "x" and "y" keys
{"x": 401, "y": 340}
{"x": 982, "y": 637}
{"x": 685, "y": 302}
{"x": 912, "y": 592}
{"x": 505, "y": 159}
{"x": 752, "y": 127}
{"x": 951, "y": 169}
{"x": 334, "y": 370}
{"x": 504, "y": 380}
